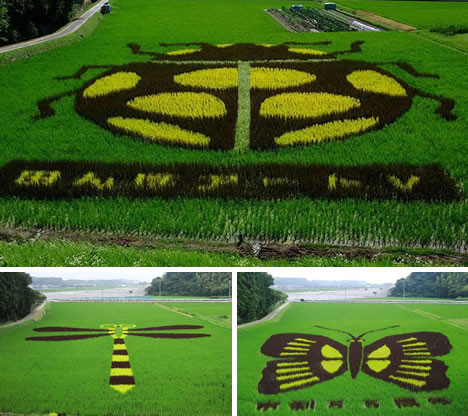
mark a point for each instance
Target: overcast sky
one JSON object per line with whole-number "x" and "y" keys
{"x": 369, "y": 274}
{"x": 146, "y": 274}
{"x": 139, "y": 274}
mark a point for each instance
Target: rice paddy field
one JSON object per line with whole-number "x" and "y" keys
{"x": 293, "y": 364}
{"x": 212, "y": 123}
{"x": 185, "y": 369}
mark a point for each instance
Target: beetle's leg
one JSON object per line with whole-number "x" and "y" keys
{"x": 82, "y": 70}
{"x": 355, "y": 48}
{"x": 44, "y": 105}
{"x": 136, "y": 49}
{"x": 410, "y": 70}
{"x": 446, "y": 104}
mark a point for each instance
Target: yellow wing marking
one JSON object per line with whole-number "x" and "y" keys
{"x": 330, "y": 352}
{"x": 292, "y": 364}
{"x": 415, "y": 349}
{"x": 299, "y": 344}
{"x": 291, "y": 370}
{"x": 417, "y": 361}
{"x": 415, "y": 344}
{"x": 305, "y": 340}
{"x": 296, "y": 349}
{"x": 416, "y": 353}
{"x": 413, "y": 373}
{"x": 407, "y": 340}
{"x": 298, "y": 383}
{"x": 418, "y": 383}
{"x": 331, "y": 366}
{"x": 416, "y": 367}
{"x": 378, "y": 365}
{"x": 382, "y": 352}
{"x": 293, "y": 376}
{"x": 293, "y": 353}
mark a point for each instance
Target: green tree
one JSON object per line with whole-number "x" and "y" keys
{"x": 16, "y": 297}
{"x": 255, "y": 298}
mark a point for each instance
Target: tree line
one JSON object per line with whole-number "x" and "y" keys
{"x": 432, "y": 285}
{"x": 17, "y": 299}
{"x": 26, "y": 19}
{"x": 255, "y": 298}
{"x": 191, "y": 284}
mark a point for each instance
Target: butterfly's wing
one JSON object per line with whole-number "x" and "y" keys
{"x": 304, "y": 360}
{"x": 407, "y": 360}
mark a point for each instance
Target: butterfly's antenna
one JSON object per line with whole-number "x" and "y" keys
{"x": 336, "y": 330}
{"x": 380, "y": 329}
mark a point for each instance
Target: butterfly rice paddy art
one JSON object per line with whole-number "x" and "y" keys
{"x": 406, "y": 360}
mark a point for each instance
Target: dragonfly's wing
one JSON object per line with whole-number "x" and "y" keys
{"x": 166, "y": 328}
{"x": 65, "y": 337}
{"x": 68, "y": 329}
{"x": 407, "y": 360}
{"x": 165, "y": 335}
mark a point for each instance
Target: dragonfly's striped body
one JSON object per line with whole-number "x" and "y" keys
{"x": 121, "y": 374}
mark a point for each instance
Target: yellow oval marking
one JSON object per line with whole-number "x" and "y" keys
{"x": 326, "y": 131}
{"x": 378, "y": 365}
{"x": 159, "y": 131}
{"x": 382, "y": 352}
{"x": 372, "y": 81}
{"x": 275, "y": 78}
{"x": 183, "y": 52}
{"x": 215, "y": 78}
{"x": 224, "y": 45}
{"x": 307, "y": 105}
{"x": 306, "y": 51}
{"x": 112, "y": 83}
{"x": 329, "y": 352}
{"x": 181, "y": 104}
{"x": 331, "y": 366}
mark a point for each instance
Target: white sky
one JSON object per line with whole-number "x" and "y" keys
{"x": 139, "y": 274}
{"x": 369, "y": 274}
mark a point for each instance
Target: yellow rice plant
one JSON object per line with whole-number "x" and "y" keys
{"x": 181, "y": 104}
{"x": 372, "y": 81}
{"x": 112, "y": 83}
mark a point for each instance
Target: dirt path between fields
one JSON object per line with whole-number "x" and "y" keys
{"x": 70, "y": 28}
{"x": 172, "y": 310}
{"x": 387, "y": 22}
{"x": 269, "y": 317}
{"x": 27, "y": 317}
{"x": 432, "y": 316}
{"x": 243, "y": 247}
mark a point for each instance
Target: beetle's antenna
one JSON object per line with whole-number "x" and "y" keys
{"x": 380, "y": 329}
{"x": 336, "y": 330}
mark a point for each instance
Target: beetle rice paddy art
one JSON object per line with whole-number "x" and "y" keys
{"x": 305, "y": 360}
{"x": 240, "y": 98}
{"x": 121, "y": 374}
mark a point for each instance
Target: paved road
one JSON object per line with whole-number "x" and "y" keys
{"x": 351, "y": 293}
{"x": 66, "y": 30}
{"x": 266, "y": 318}
{"x": 27, "y": 317}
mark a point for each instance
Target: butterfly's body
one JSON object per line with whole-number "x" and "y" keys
{"x": 355, "y": 351}
{"x": 404, "y": 359}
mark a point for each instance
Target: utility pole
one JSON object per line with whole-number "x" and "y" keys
{"x": 229, "y": 285}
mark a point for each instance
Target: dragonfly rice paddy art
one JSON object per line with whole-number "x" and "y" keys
{"x": 306, "y": 360}
{"x": 121, "y": 374}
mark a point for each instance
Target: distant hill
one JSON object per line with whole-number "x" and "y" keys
{"x": 58, "y": 282}
{"x": 301, "y": 283}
